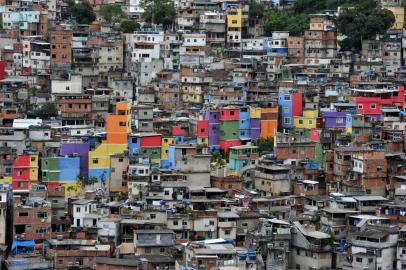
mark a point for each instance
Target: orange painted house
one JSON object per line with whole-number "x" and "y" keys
{"x": 269, "y": 122}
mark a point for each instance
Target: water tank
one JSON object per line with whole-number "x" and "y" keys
{"x": 242, "y": 256}
{"x": 252, "y": 254}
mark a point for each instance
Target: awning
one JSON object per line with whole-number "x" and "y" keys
{"x": 18, "y": 243}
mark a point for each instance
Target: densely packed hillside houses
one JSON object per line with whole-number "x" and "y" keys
{"x": 202, "y": 134}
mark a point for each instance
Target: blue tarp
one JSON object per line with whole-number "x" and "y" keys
{"x": 18, "y": 243}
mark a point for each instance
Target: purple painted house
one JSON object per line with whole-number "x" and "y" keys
{"x": 80, "y": 149}
{"x": 334, "y": 120}
{"x": 255, "y": 128}
{"x": 213, "y": 117}
{"x": 214, "y": 129}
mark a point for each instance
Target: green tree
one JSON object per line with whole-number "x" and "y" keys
{"x": 47, "y": 110}
{"x": 363, "y": 21}
{"x": 129, "y": 26}
{"x": 112, "y": 13}
{"x": 277, "y": 20}
{"x": 256, "y": 10}
{"x": 161, "y": 12}
{"x": 82, "y": 12}
{"x": 1, "y": 22}
{"x": 265, "y": 145}
{"x": 217, "y": 158}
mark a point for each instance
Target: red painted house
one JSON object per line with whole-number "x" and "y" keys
{"x": 297, "y": 104}
{"x": 177, "y": 131}
{"x": 153, "y": 140}
{"x": 226, "y": 144}
{"x": 229, "y": 114}
{"x": 372, "y": 103}
{"x": 368, "y": 105}
{"x": 203, "y": 128}
{"x": 25, "y": 171}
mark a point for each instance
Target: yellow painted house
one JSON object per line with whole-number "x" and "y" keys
{"x": 166, "y": 142}
{"x": 255, "y": 112}
{"x": 6, "y": 179}
{"x": 34, "y": 167}
{"x": 202, "y": 140}
{"x": 308, "y": 120}
{"x": 118, "y": 126}
{"x": 234, "y": 18}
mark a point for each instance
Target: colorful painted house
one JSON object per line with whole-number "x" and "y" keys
{"x": 147, "y": 145}
{"x": 213, "y": 118}
{"x": 290, "y": 105}
{"x": 82, "y": 151}
{"x": 25, "y": 170}
{"x": 245, "y": 124}
{"x": 255, "y": 123}
{"x": 58, "y": 171}
{"x": 166, "y": 142}
{"x": 371, "y": 106}
{"x": 308, "y": 120}
{"x": 179, "y": 134}
{"x": 348, "y": 123}
{"x": 241, "y": 156}
{"x": 334, "y": 120}
{"x": 229, "y": 127}
{"x": 269, "y": 122}
{"x": 203, "y": 132}
{"x": 116, "y": 142}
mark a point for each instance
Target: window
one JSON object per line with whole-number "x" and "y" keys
{"x": 286, "y": 109}
{"x": 339, "y": 120}
{"x": 300, "y": 121}
{"x": 360, "y": 106}
{"x": 370, "y": 260}
{"x": 152, "y": 216}
{"x": 286, "y": 97}
{"x": 373, "y": 106}
{"x": 41, "y": 230}
{"x": 175, "y": 222}
{"x": 77, "y": 209}
{"x": 23, "y": 214}
{"x": 32, "y": 158}
{"x": 227, "y": 232}
{"x": 310, "y": 122}
{"x": 123, "y": 124}
{"x": 211, "y": 223}
{"x": 358, "y": 259}
{"x": 95, "y": 161}
{"x": 286, "y": 120}
{"x": 42, "y": 215}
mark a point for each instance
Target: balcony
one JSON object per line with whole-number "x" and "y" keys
{"x": 75, "y": 115}
{"x": 77, "y": 253}
{"x": 227, "y": 224}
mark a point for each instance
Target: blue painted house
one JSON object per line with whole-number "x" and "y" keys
{"x": 285, "y": 109}
{"x": 244, "y": 123}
